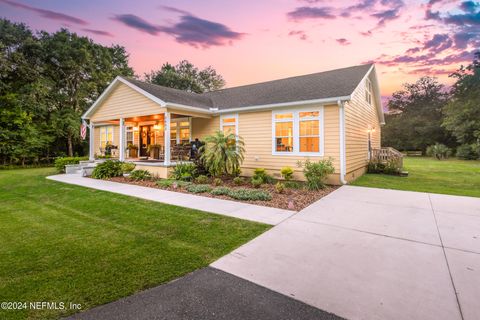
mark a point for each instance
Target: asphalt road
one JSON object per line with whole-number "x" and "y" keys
{"x": 207, "y": 294}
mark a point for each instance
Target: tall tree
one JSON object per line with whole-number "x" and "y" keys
{"x": 77, "y": 70}
{"x": 415, "y": 116}
{"x": 185, "y": 76}
{"x": 462, "y": 113}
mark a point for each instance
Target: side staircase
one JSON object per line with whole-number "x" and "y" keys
{"x": 84, "y": 168}
{"x": 389, "y": 155}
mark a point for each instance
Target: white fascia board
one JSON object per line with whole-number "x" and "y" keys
{"x": 376, "y": 88}
{"x": 285, "y": 104}
{"x": 110, "y": 88}
{"x": 189, "y": 108}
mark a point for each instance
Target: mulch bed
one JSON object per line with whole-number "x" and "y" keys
{"x": 301, "y": 198}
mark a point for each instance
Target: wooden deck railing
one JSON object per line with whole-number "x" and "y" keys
{"x": 388, "y": 154}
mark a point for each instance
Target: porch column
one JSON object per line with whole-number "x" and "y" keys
{"x": 91, "y": 144}
{"x": 166, "y": 136}
{"x": 122, "y": 140}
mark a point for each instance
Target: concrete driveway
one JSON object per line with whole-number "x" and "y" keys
{"x": 364, "y": 253}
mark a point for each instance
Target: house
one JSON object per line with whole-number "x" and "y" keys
{"x": 335, "y": 114}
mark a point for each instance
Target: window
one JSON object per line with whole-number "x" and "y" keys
{"x": 229, "y": 124}
{"x": 298, "y": 132}
{"x": 129, "y": 135}
{"x": 309, "y": 131}
{"x": 368, "y": 91}
{"x": 179, "y": 131}
{"x": 284, "y": 132}
{"x": 106, "y": 136}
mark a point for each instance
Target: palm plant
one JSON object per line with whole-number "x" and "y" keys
{"x": 223, "y": 153}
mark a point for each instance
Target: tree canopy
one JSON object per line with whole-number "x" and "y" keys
{"x": 47, "y": 80}
{"x": 415, "y": 116}
{"x": 185, "y": 76}
{"x": 462, "y": 113}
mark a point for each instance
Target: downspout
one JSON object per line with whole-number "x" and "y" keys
{"x": 343, "y": 167}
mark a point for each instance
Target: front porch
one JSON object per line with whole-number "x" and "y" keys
{"x": 157, "y": 140}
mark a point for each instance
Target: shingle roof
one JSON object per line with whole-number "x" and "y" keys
{"x": 322, "y": 85}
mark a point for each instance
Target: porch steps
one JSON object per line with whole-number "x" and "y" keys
{"x": 84, "y": 168}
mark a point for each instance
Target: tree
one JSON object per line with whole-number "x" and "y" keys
{"x": 415, "y": 116}
{"x": 46, "y": 82}
{"x": 223, "y": 153}
{"x": 185, "y": 76}
{"x": 77, "y": 70}
{"x": 462, "y": 113}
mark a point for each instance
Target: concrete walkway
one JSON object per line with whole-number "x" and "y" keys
{"x": 235, "y": 209}
{"x": 364, "y": 253}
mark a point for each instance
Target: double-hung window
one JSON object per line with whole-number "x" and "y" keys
{"x": 229, "y": 124}
{"x": 106, "y": 136}
{"x": 298, "y": 132}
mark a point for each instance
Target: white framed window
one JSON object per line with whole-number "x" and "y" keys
{"x": 129, "y": 135}
{"x": 229, "y": 124}
{"x": 106, "y": 135}
{"x": 180, "y": 131}
{"x": 298, "y": 132}
{"x": 368, "y": 91}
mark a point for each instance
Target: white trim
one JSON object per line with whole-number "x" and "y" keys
{"x": 343, "y": 166}
{"x": 166, "y": 138}
{"x": 121, "y": 141}
{"x": 189, "y": 108}
{"x": 230, "y": 115}
{"x": 284, "y": 104}
{"x": 91, "y": 142}
{"x": 296, "y": 134}
{"x": 110, "y": 88}
{"x": 376, "y": 88}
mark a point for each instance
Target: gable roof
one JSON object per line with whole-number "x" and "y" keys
{"x": 324, "y": 86}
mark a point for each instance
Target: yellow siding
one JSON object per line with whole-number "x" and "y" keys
{"x": 359, "y": 114}
{"x": 124, "y": 102}
{"x": 202, "y": 127}
{"x": 256, "y": 130}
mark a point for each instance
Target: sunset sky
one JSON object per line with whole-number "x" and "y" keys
{"x": 253, "y": 41}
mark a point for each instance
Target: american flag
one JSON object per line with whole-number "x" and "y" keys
{"x": 83, "y": 130}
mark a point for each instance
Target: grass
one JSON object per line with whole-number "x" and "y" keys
{"x": 455, "y": 177}
{"x": 65, "y": 243}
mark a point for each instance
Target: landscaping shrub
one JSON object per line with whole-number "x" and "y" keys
{"x": 201, "y": 179}
{"x": 61, "y": 162}
{"x": 293, "y": 185}
{"x": 250, "y": 194}
{"x": 279, "y": 187}
{"x": 107, "y": 169}
{"x": 199, "y": 188}
{"x": 287, "y": 173}
{"x": 375, "y": 166}
{"x": 439, "y": 151}
{"x": 128, "y": 167}
{"x": 316, "y": 172}
{"x": 467, "y": 152}
{"x": 261, "y": 173}
{"x": 220, "y": 191}
{"x": 165, "y": 183}
{"x": 217, "y": 182}
{"x": 184, "y": 171}
{"x": 138, "y": 175}
{"x": 238, "y": 181}
{"x": 223, "y": 154}
{"x": 256, "y": 182}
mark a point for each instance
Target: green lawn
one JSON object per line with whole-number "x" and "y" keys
{"x": 65, "y": 243}
{"x": 457, "y": 177}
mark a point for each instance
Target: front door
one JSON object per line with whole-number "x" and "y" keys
{"x": 145, "y": 140}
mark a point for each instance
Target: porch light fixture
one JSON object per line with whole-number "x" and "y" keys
{"x": 370, "y": 129}
{"x": 157, "y": 127}
{"x": 135, "y": 128}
